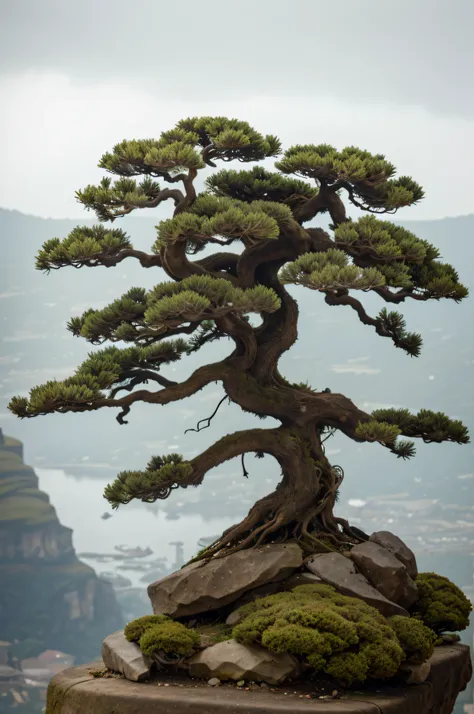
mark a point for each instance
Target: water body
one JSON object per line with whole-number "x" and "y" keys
{"x": 80, "y": 505}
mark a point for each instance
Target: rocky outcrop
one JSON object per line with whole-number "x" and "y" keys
{"x": 47, "y": 594}
{"x": 231, "y": 660}
{"x": 122, "y": 656}
{"x": 48, "y": 542}
{"x": 400, "y": 550}
{"x": 372, "y": 572}
{"x": 385, "y": 572}
{"x": 340, "y": 572}
{"x": 202, "y": 587}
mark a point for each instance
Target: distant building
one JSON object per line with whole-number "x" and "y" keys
{"x": 179, "y": 556}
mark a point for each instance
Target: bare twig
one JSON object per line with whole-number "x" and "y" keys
{"x": 208, "y": 419}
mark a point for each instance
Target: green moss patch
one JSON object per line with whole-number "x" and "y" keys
{"x": 416, "y": 640}
{"x": 337, "y": 635}
{"x": 159, "y": 633}
{"x": 217, "y": 632}
{"x": 442, "y": 606}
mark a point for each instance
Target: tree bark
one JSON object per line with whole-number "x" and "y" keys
{"x": 301, "y": 507}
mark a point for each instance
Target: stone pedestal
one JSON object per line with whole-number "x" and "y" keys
{"x": 76, "y": 691}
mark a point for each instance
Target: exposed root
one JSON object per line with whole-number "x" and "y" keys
{"x": 272, "y": 527}
{"x": 348, "y": 530}
{"x": 310, "y": 544}
{"x": 266, "y": 523}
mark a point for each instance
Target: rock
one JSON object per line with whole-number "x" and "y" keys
{"x": 340, "y": 572}
{"x": 303, "y": 578}
{"x": 385, "y": 572}
{"x": 450, "y": 639}
{"x": 214, "y": 682}
{"x": 206, "y": 641}
{"x": 205, "y": 586}
{"x": 415, "y": 673}
{"x": 234, "y": 618}
{"x": 125, "y": 657}
{"x": 231, "y": 660}
{"x": 293, "y": 581}
{"x": 396, "y": 546}
{"x": 250, "y": 596}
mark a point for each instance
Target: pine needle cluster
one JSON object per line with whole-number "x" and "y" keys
{"x": 261, "y": 214}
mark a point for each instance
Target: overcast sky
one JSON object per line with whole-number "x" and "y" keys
{"x": 392, "y": 76}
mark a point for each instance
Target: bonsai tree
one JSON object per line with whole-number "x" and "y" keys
{"x": 266, "y": 216}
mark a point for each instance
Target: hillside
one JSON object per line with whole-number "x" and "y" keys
{"x": 47, "y": 595}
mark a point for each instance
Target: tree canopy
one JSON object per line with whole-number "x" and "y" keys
{"x": 267, "y": 217}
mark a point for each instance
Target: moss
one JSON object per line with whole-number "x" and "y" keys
{"x": 170, "y": 637}
{"x": 136, "y": 628}
{"x": 442, "y": 606}
{"x": 416, "y": 640}
{"x": 217, "y": 632}
{"x": 98, "y": 673}
{"x": 336, "y": 634}
{"x": 348, "y": 667}
{"x": 105, "y": 674}
{"x": 155, "y": 633}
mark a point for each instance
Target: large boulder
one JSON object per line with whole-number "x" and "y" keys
{"x": 205, "y": 586}
{"x": 385, "y": 572}
{"x": 125, "y": 657}
{"x": 231, "y": 660}
{"x": 340, "y": 572}
{"x": 396, "y": 546}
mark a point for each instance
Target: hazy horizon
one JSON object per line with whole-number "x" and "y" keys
{"x": 388, "y": 79}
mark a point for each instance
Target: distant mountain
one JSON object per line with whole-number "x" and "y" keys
{"x": 334, "y": 350}
{"x": 48, "y": 595}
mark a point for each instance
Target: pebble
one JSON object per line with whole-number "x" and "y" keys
{"x": 214, "y": 682}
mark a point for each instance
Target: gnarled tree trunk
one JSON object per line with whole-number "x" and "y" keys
{"x": 301, "y": 507}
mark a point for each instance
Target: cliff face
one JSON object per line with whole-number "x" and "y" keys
{"x": 47, "y": 594}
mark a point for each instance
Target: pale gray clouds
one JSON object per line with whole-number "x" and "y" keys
{"x": 391, "y": 77}
{"x": 406, "y": 52}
